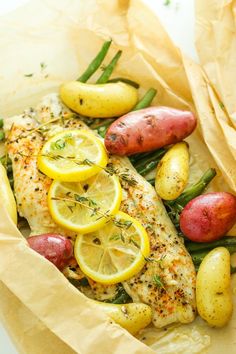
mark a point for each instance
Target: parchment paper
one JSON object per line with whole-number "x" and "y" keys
{"x": 54, "y": 40}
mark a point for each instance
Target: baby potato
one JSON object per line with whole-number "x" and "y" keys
{"x": 208, "y": 217}
{"x": 213, "y": 295}
{"x": 99, "y": 101}
{"x": 173, "y": 172}
{"x": 133, "y": 317}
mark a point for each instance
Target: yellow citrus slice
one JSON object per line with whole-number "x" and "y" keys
{"x": 115, "y": 252}
{"x": 85, "y": 206}
{"x": 72, "y": 155}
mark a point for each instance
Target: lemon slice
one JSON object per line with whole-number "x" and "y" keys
{"x": 115, "y": 252}
{"x": 72, "y": 155}
{"x": 85, "y": 206}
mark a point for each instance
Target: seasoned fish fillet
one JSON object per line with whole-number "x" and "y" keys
{"x": 167, "y": 281}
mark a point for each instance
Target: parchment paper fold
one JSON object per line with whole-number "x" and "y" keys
{"x": 47, "y": 42}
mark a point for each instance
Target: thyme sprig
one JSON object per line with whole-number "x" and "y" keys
{"x": 125, "y": 176}
{"x": 39, "y": 129}
{"x": 96, "y": 210}
{"x": 158, "y": 281}
{"x": 110, "y": 169}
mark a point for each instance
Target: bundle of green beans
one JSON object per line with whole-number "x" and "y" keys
{"x": 144, "y": 163}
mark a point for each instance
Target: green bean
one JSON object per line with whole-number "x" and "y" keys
{"x": 101, "y": 122}
{"x": 109, "y": 69}
{"x": 198, "y": 256}
{"x": 96, "y": 62}
{"x": 102, "y": 131}
{"x": 196, "y": 189}
{"x": 1, "y": 123}
{"x": 146, "y": 99}
{"x": 126, "y": 81}
{"x": 137, "y": 157}
{"x": 223, "y": 242}
{"x": 149, "y": 167}
{"x": 153, "y": 156}
{"x": 151, "y": 181}
{"x": 2, "y": 135}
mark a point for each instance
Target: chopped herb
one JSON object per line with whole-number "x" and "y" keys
{"x": 122, "y": 223}
{"x": 29, "y": 75}
{"x": 114, "y": 237}
{"x": 134, "y": 242}
{"x": 43, "y": 65}
{"x": 152, "y": 259}
{"x": 167, "y": 2}
{"x": 123, "y": 175}
{"x": 60, "y": 144}
{"x": 158, "y": 281}
{"x": 39, "y": 129}
{"x": 222, "y": 106}
{"x": 1, "y": 123}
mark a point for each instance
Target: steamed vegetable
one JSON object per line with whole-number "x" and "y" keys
{"x": 213, "y": 295}
{"x": 146, "y": 100}
{"x": 96, "y": 62}
{"x": 109, "y": 69}
{"x": 173, "y": 172}
{"x": 6, "y": 195}
{"x": 55, "y": 248}
{"x": 208, "y": 217}
{"x": 146, "y": 162}
{"x": 133, "y": 317}
{"x": 102, "y": 101}
{"x": 148, "y": 129}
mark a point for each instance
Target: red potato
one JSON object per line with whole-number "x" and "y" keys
{"x": 208, "y": 217}
{"x": 56, "y": 248}
{"x": 148, "y": 129}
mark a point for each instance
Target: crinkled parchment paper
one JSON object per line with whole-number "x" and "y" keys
{"x": 54, "y": 40}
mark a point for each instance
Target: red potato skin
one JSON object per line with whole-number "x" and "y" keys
{"x": 148, "y": 129}
{"x": 56, "y": 248}
{"x": 208, "y": 217}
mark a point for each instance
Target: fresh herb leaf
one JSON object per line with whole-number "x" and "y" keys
{"x": 29, "y": 75}
{"x": 43, "y": 65}
{"x": 134, "y": 243}
{"x": 167, "y": 2}
{"x": 158, "y": 281}
{"x": 222, "y": 106}
{"x": 60, "y": 144}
